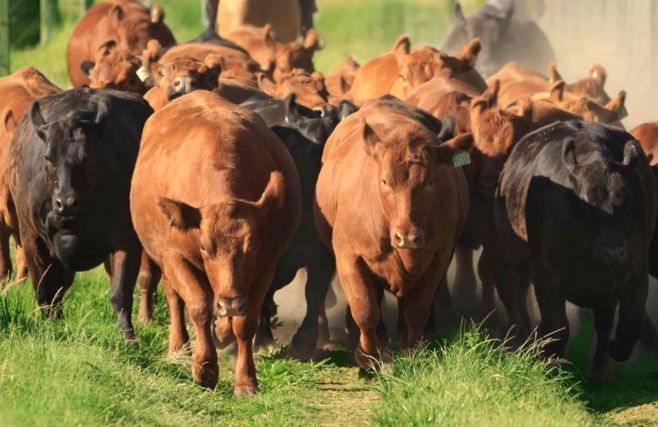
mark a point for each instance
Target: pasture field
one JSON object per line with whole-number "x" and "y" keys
{"x": 79, "y": 371}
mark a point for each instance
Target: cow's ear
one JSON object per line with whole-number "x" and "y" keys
{"x": 447, "y": 152}
{"x": 266, "y": 84}
{"x": 311, "y": 40}
{"x": 151, "y": 55}
{"x": 469, "y": 54}
{"x": 38, "y": 121}
{"x": 346, "y": 108}
{"x": 8, "y": 120}
{"x": 448, "y": 125}
{"x": 557, "y": 91}
{"x": 86, "y": 66}
{"x": 213, "y": 63}
{"x": 569, "y": 154}
{"x": 616, "y": 104}
{"x": 116, "y": 13}
{"x": 266, "y": 32}
{"x": 488, "y": 99}
{"x": 402, "y": 48}
{"x": 631, "y": 154}
{"x": 180, "y": 215}
{"x": 599, "y": 75}
{"x": 553, "y": 74}
{"x": 105, "y": 49}
{"x": 370, "y": 140}
{"x": 460, "y": 19}
{"x": 157, "y": 14}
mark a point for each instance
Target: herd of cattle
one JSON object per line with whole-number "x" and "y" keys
{"x": 225, "y": 165}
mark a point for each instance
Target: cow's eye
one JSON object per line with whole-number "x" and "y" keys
{"x": 161, "y": 73}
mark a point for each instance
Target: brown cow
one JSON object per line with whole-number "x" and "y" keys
{"x": 444, "y": 104}
{"x": 283, "y": 15}
{"x": 583, "y": 106}
{"x": 517, "y": 82}
{"x": 647, "y": 135}
{"x": 496, "y": 131}
{"x": 400, "y": 70}
{"x": 272, "y": 55}
{"x": 591, "y": 86}
{"x": 340, "y": 80}
{"x": 116, "y": 69}
{"x": 392, "y": 205}
{"x": 309, "y": 88}
{"x": 216, "y": 202}
{"x": 18, "y": 91}
{"x": 129, "y": 23}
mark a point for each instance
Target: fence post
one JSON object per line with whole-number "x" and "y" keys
{"x": 48, "y": 13}
{"x": 4, "y": 37}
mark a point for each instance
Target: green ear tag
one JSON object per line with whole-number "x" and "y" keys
{"x": 461, "y": 158}
{"x": 622, "y": 114}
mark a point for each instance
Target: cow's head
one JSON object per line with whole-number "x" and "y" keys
{"x": 421, "y": 65}
{"x": 229, "y": 241}
{"x": 72, "y": 158}
{"x": 495, "y": 130}
{"x": 295, "y": 54}
{"x": 186, "y": 74}
{"x": 116, "y": 69}
{"x": 591, "y": 86}
{"x": 134, "y": 25}
{"x": 588, "y": 109}
{"x": 408, "y": 157}
{"x": 607, "y": 188}
{"x": 309, "y": 88}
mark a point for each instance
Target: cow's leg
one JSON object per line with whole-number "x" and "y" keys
{"x": 443, "y": 310}
{"x": 21, "y": 263}
{"x": 420, "y": 300}
{"x": 604, "y": 317}
{"x": 198, "y": 299}
{"x": 632, "y": 306}
{"x": 509, "y": 282}
{"x": 649, "y": 335}
{"x": 264, "y": 336}
{"x": 244, "y": 329}
{"x": 487, "y": 278}
{"x": 125, "y": 266}
{"x": 50, "y": 278}
{"x": 319, "y": 272}
{"x": 351, "y": 329}
{"x": 148, "y": 278}
{"x": 554, "y": 323}
{"x": 365, "y": 310}
{"x": 179, "y": 339}
{"x": 5, "y": 259}
{"x": 465, "y": 288}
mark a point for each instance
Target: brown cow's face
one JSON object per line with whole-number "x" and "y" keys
{"x": 421, "y": 65}
{"x": 309, "y": 89}
{"x": 230, "y": 242}
{"x": 185, "y": 75}
{"x": 115, "y": 69}
{"x": 407, "y": 160}
{"x": 296, "y": 55}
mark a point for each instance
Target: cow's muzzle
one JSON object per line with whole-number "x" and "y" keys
{"x": 413, "y": 240}
{"x": 229, "y": 307}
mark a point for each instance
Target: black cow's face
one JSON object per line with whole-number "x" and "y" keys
{"x": 607, "y": 189}
{"x": 71, "y": 160}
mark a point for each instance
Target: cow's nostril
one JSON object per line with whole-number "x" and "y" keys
{"x": 58, "y": 205}
{"x": 399, "y": 239}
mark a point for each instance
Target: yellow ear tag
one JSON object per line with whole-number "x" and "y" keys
{"x": 143, "y": 74}
{"x": 461, "y": 158}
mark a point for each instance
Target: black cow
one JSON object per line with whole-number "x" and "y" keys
{"x": 575, "y": 211}
{"x": 70, "y": 166}
{"x": 504, "y": 38}
{"x": 304, "y": 132}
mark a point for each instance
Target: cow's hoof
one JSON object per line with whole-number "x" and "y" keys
{"x": 380, "y": 362}
{"x": 603, "y": 373}
{"x": 145, "y": 318}
{"x": 303, "y": 351}
{"x": 130, "y": 339}
{"x": 245, "y": 389}
{"x": 178, "y": 352}
{"x": 205, "y": 377}
{"x": 264, "y": 343}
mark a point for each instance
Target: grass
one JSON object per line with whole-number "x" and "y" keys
{"x": 79, "y": 372}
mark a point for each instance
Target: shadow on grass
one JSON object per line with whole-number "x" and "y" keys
{"x": 636, "y": 381}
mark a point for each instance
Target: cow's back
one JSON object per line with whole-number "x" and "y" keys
{"x": 283, "y": 15}
{"x": 221, "y": 151}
